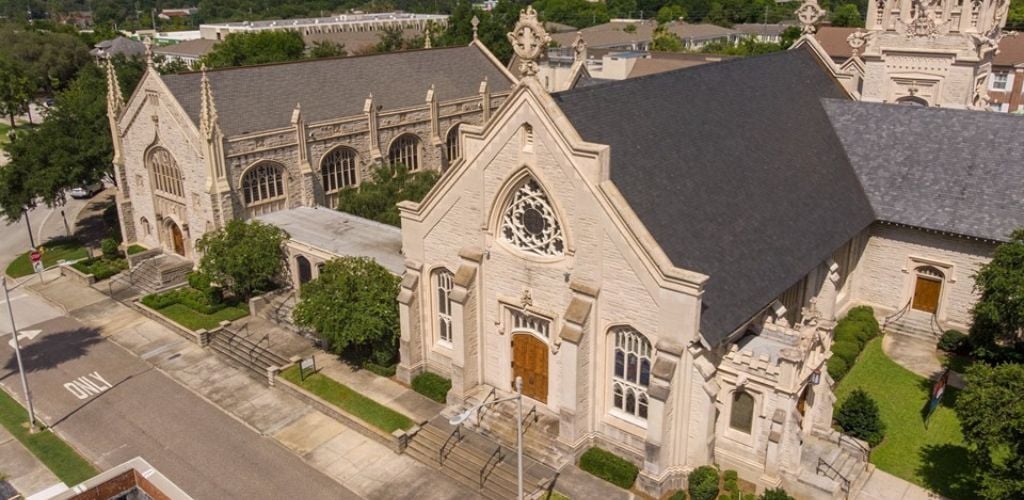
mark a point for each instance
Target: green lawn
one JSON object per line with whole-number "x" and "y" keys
{"x": 134, "y": 249}
{"x": 55, "y": 251}
{"x": 101, "y": 267}
{"x": 936, "y": 457}
{"x": 195, "y": 320}
{"x": 60, "y": 458}
{"x": 340, "y": 395}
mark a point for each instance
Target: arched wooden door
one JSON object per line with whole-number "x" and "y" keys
{"x": 177, "y": 239}
{"x": 927, "y": 289}
{"x": 305, "y": 270}
{"x": 530, "y": 361}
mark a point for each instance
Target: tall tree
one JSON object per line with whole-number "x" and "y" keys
{"x": 991, "y": 413}
{"x": 15, "y": 89}
{"x": 377, "y": 198}
{"x": 244, "y": 257}
{"x": 244, "y": 49}
{"x": 997, "y": 329}
{"x": 847, "y": 15}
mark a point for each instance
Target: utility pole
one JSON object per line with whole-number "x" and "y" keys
{"x": 17, "y": 354}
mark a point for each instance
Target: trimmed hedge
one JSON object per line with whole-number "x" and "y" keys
{"x": 850, "y": 336}
{"x": 432, "y": 386}
{"x": 776, "y": 494}
{"x": 954, "y": 341}
{"x": 101, "y": 268}
{"x": 702, "y": 483}
{"x": 610, "y": 467}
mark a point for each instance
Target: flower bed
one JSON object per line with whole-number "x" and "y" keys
{"x": 100, "y": 268}
{"x": 193, "y": 309}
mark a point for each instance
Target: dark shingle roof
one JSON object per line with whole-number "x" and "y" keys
{"x": 734, "y": 169}
{"x": 949, "y": 170}
{"x": 256, "y": 98}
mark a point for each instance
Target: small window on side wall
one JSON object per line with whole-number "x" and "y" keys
{"x": 741, "y": 417}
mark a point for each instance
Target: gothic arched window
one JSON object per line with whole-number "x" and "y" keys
{"x": 451, "y": 143}
{"x": 631, "y": 375}
{"x": 263, "y": 188}
{"x": 741, "y": 416}
{"x": 166, "y": 175}
{"x": 444, "y": 282}
{"x": 338, "y": 169}
{"x": 529, "y": 221}
{"x": 406, "y": 151}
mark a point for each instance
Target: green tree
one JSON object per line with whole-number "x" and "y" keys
{"x": 666, "y": 41}
{"x": 244, "y": 258}
{"x": 244, "y": 49}
{"x": 671, "y": 12}
{"x": 847, "y": 15}
{"x": 15, "y": 89}
{"x": 49, "y": 59}
{"x": 352, "y": 305}
{"x": 789, "y": 36}
{"x": 327, "y": 48}
{"x": 858, "y": 416}
{"x": 578, "y": 13}
{"x": 391, "y": 40}
{"x": 997, "y": 329}
{"x": 378, "y": 198}
{"x": 991, "y": 413}
{"x": 621, "y": 9}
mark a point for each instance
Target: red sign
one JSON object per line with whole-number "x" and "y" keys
{"x": 36, "y": 256}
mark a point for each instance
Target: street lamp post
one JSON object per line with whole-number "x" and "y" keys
{"x": 518, "y": 398}
{"x": 17, "y": 354}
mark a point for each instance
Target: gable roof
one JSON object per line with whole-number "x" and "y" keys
{"x": 256, "y": 98}
{"x": 968, "y": 183}
{"x": 754, "y": 198}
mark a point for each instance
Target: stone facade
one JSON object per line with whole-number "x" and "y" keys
{"x": 211, "y": 166}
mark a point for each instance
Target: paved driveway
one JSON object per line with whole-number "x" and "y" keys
{"x": 112, "y": 406}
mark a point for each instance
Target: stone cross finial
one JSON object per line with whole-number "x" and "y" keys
{"x": 475, "y": 22}
{"x": 809, "y": 13}
{"x": 857, "y": 40}
{"x": 579, "y": 47}
{"x": 529, "y": 40}
{"x": 426, "y": 39}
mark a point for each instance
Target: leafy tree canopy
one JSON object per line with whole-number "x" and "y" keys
{"x": 15, "y": 88}
{"x": 858, "y": 416}
{"x": 352, "y": 303}
{"x": 262, "y": 47}
{"x": 49, "y": 59}
{"x": 244, "y": 257}
{"x": 378, "y": 198}
{"x": 991, "y": 413}
{"x": 847, "y": 15}
{"x": 997, "y": 329}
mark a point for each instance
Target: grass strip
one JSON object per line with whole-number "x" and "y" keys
{"x": 352, "y": 402}
{"x": 60, "y": 458}
{"x": 54, "y": 252}
{"x": 195, "y": 320}
{"x": 934, "y": 457}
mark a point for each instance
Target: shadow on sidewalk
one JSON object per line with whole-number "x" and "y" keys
{"x": 53, "y": 349}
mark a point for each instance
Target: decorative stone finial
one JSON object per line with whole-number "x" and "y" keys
{"x": 579, "y": 47}
{"x": 475, "y": 22}
{"x": 426, "y": 39}
{"x": 529, "y": 40}
{"x": 857, "y": 40}
{"x": 115, "y": 99}
{"x": 148, "y": 43}
{"x": 208, "y": 120}
{"x": 809, "y": 13}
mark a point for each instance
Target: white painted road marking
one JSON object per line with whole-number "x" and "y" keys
{"x": 24, "y": 334}
{"x": 87, "y": 386}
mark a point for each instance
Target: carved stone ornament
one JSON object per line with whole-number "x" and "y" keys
{"x": 579, "y": 47}
{"x": 526, "y": 300}
{"x": 927, "y": 20}
{"x": 529, "y": 40}
{"x": 857, "y": 40}
{"x": 809, "y": 13}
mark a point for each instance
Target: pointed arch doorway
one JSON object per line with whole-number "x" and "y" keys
{"x": 530, "y": 353}
{"x": 177, "y": 239}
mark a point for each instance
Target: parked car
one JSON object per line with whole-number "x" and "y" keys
{"x": 87, "y": 190}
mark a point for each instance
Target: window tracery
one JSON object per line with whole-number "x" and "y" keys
{"x": 529, "y": 221}
{"x": 631, "y": 375}
{"x": 166, "y": 174}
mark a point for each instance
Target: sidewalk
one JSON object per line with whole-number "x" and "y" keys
{"x": 21, "y": 468}
{"x": 884, "y": 486}
{"x": 360, "y": 464}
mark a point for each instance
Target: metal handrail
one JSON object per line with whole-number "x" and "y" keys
{"x": 536, "y": 418}
{"x": 483, "y": 404}
{"x": 936, "y": 327}
{"x": 897, "y": 315}
{"x": 864, "y": 450}
{"x": 457, "y": 433}
{"x": 484, "y": 472}
{"x": 845, "y": 482}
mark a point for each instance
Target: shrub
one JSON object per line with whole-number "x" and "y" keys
{"x": 776, "y": 494}
{"x": 134, "y": 249}
{"x": 610, "y": 467}
{"x": 109, "y": 248}
{"x": 850, "y": 331}
{"x": 846, "y": 350}
{"x": 954, "y": 341}
{"x": 865, "y": 316}
{"x": 678, "y": 495}
{"x": 432, "y": 386}
{"x": 858, "y": 416}
{"x": 188, "y": 297}
{"x": 202, "y": 282}
{"x": 730, "y": 475}
{"x": 382, "y": 370}
{"x": 837, "y": 368}
{"x": 101, "y": 268}
{"x": 702, "y": 483}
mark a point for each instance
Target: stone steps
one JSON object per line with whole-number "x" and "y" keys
{"x": 471, "y": 461}
{"x": 914, "y": 326}
{"x": 244, "y": 352}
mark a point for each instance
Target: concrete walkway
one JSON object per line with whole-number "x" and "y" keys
{"x": 21, "y": 468}
{"x": 917, "y": 356}
{"x": 360, "y": 464}
{"x": 884, "y": 486}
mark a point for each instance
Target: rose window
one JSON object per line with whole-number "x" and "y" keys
{"x": 529, "y": 222}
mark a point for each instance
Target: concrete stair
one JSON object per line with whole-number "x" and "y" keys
{"x": 540, "y": 429}
{"x": 915, "y": 326}
{"x": 832, "y": 469}
{"x": 477, "y": 462}
{"x": 156, "y": 274}
{"x": 244, "y": 352}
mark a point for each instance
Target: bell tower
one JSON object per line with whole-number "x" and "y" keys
{"x": 929, "y": 52}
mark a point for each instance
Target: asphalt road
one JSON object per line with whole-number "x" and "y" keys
{"x": 46, "y": 224}
{"x": 112, "y": 407}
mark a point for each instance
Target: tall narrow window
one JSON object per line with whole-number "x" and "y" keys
{"x": 631, "y": 374}
{"x": 263, "y": 188}
{"x": 406, "y": 151}
{"x": 338, "y": 169}
{"x": 529, "y": 221}
{"x": 165, "y": 173}
{"x": 444, "y": 281}
{"x": 741, "y": 417}
{"x": 451, "y": 144}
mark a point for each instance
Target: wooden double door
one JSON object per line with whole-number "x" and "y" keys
{"x": 926, "y": 294}
{"x": 530, "y": 361}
